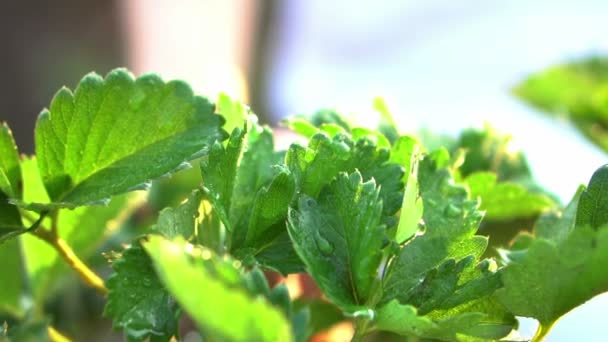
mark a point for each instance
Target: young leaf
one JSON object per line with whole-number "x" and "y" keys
{"x": 270, "y": 206}
{"x": 256, "y": 283}
{"x": 404, "y": 320}
{"x": 593, "y": 204}
{"x": 250, "y": 197}
{"x": 441, "y": 288}
{"x": 488, "y": 150}
{"x": 575, "y": 91}
{"x": 234, "y": 112}
{"x": 10, "y": 186}
{"x": 567, "y": 267}
{"x": 554, "y": 225}
{"x": 277, "y": 254}
{"x": 301, "y": 126}
{"x": 379, "y": 139}
{"x": 318, "y": 164}
{"x": 451, "y": 219}
{"x": 219, "y": 173}
{"x": 387, "y": 126}
{"x": 206, "y": 287}
{"x": 10, "y": 171}
{"x": 506, "y": 200}
{"x": 255, "y": 170}
{"x": 12, "y": 278}
{"x": 472, "y": 324}
{"x": 329, "y": 116}
{"x": 180, "y": 221}
{"x": 234, "y": 174}
{"x": 407, "y": 152}
{"x": 339, "y": 237}
{"x": 137, "y": 300}
{"x": 112, "y": 135}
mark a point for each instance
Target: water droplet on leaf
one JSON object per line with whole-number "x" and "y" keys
{"x": 324, "y": 246}
{"x": 452, "y": 211}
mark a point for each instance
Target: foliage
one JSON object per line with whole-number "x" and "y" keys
{"x": 387, "y": 226}
{"x": 577, "y": 91}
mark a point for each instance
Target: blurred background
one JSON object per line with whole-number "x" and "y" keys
{"x": 440, "y": 64}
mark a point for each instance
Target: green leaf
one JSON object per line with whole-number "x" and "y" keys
{"x": 555, "y": 225}
{"x": 137, "y": 300}
{"x": 323, "y": 315}
{"x": 10, "y": 172}
{"x": 211, "y": 232}
{"x": 219, "y": 173}
{"x": 250, "y": 196}
{"x": 301, "y": 126}
{"x": 451, "y": 219}
{"x": 255, "y": 170}
{"x": 441, "y": 288}
{"x": 170, "y": 192}
{"x": 506, "y": 200}
{"x": 593, "y": 204}
{"x": 257, "y": 284}
{"x": 10, "y": 186}
{"x": 488, "y": 150}
{"x": 329, "y": 116}
{"x": 179, "y": 221}
{"x": 269, "y": 210}
{"x": 388, "y": 126}
{"x": 339, "y": 237}
{"x": 457, "y": 326}
{"x": 83, "y": 229}
{"x": 566, "y": 268}
{"x": 234, "y": 174}
{"x": 378, "y": 138}
{"x": 277, "y": 255}
{"x": 13, "y": 279}
{"x": 10, "y": 232}
{"x": 576, "y": 91}
{"x": 412, "y": 205}
{"x": 234, "y": 112}
{"x": 30, "y": 329}
{"x": 404, "y": 320}
{"x": 112, "y": 135}
{"x": 206, "y": 287}
{"x": 318, "y": 164}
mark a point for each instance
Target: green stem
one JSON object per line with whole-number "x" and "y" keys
{"x": 65, "y": 251}
{"x": 360, "y": 329}
{"x": 542, "y": 331}
{"x": 56, "y": 336}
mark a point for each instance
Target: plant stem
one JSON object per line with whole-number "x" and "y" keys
{"x": 66, "y": 252}
{"x": 542, "y": 331}
{"x": 56, "y": 336}
{"x": 360, "y": 330}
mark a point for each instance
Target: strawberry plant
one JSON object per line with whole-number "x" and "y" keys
{"x": 427, "y": 237}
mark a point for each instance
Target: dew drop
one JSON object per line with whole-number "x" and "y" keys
{"x": 449, "y": 188}
{"x": 341, "y": 148}
{"x": 206, "y": 254}
{"x": 452, "y": 211}
{"x": 324, "y": 246}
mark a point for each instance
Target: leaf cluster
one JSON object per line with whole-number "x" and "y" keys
{"x": 386, "y": 226}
